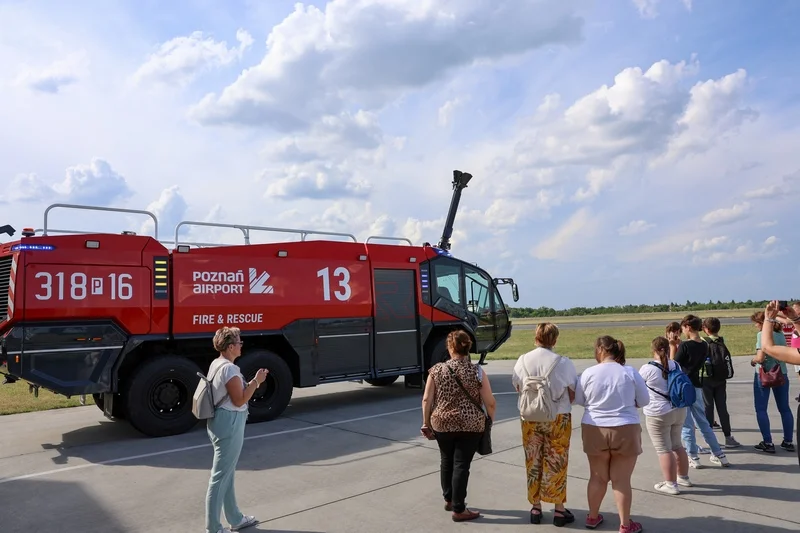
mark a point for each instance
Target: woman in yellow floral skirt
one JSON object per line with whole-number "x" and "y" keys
{"x": 546, "y": 444}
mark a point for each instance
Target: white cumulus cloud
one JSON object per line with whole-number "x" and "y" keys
{"x": 181, "y": 59}
{"x": 635, "y": 227}
{"x": 96, "y": 183}
{"x": 169, "y": 208}
{"x": 726, "y": 215}
{"x": 319, "y": 59}
{"x": 52, "y": 78}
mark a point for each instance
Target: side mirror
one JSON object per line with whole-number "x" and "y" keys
{"x": 515, "y": 292}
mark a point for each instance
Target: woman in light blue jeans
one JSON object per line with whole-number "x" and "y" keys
{"x": 226, "y": 430}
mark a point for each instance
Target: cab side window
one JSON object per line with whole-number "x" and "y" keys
{"x": 478, "y": 292}
{"x": 448, "y": 282}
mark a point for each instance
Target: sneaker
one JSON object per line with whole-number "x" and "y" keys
{"x": 720, "y": 460}
{"x": 730, "y": 442}
{"x": 592, "y": 523}
{"x": 788, "y": 446}
{"x": 684, "y": 481}
{"x": 466, "y": 516}
{"x": 765, "y": 447}
{"x": 704, "y": 451}
{"x": 667, "y": 487}
{"x": 246, "y": 521}
{"x": 716, "y": 425}
{"x": 632, "y": 527}
{"x": 694, "y": 462}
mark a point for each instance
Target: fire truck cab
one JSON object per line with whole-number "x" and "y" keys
{"x": 129, "y": 321}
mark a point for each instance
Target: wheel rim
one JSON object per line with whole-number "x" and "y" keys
{"x": 168, "y": 398}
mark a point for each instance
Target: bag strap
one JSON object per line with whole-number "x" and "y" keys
{"x": 658, "y": 365}
{"x": 467, "y": 394}
{"x": 211, "y": 384}
{"x": 549, "y": 370}
{"x": 552, "y": 367}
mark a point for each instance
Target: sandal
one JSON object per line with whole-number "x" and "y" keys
{"x": 536, "y": 515}
{"x": 566, "y": 518}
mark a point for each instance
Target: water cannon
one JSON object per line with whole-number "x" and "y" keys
{"x": 460, "y": 181}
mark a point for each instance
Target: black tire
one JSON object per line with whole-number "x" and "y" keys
{"x": 98, "y": 401}
{"x": 437, "y": 354}
{"x": 273, "y": 396}
{"x": 382, "y": 382}
{"x": 158, "y": 397}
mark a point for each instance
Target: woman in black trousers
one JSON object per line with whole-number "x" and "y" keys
{"x": 454, "y": 419}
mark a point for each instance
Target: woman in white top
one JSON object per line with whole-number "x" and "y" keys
{"x": 665, "y": 422}
{"x": 546, "y": 444}
{"x": 611, "y": 430}
{"x": 226, "y": 429}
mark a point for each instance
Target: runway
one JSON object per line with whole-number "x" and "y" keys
{"x": 628, "y": 324}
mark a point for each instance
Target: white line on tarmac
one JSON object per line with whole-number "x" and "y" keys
{"x": 207, "y": 445}
{"x": 198, "y": 446}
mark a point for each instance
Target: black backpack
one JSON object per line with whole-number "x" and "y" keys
{"x": 721, "y": 361}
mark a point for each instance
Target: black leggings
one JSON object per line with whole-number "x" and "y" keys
{"x": 457, "y": 451}
{"x": 715, "y": 394}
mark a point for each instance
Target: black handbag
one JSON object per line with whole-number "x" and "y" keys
{"x": 485, "y": 444}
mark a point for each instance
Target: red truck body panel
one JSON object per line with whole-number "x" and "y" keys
{"x": 130, "y": 321}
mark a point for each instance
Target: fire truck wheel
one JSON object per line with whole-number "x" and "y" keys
{"x": 382, "y": 382}
{"x": 272, "y": 397}
{"x": 159, "y": 396}
{"x": 438, "y": 353}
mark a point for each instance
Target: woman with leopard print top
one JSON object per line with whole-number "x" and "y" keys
{"x": 455, "y": 421}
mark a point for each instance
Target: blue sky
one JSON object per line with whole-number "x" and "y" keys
{"x": 624, "y": 151}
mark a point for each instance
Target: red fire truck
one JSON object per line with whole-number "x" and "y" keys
{"x": 128, "y": 321}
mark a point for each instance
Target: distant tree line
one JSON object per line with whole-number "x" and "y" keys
{"x": 672, "y": 307}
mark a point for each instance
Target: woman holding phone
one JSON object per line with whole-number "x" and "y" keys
{"x": 226, "y": 429}
{"x": 786, "y": 354}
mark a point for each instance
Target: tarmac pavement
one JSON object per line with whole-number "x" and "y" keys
{"x": 348, "y": 457}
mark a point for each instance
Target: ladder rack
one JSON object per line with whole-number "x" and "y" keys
{"x": 388, "y": 239}
{"x": 244, "y": 228}
{"x": 96, "y": 208}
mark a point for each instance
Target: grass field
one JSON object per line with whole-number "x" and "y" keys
{"x": 15, "y": 398}
{"x": 576, "y": 343}
{"x": 664, "y": 317}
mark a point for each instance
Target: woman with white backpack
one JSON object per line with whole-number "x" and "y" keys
{"x": 546, "y": 383}
{"x": 230, "y": 393}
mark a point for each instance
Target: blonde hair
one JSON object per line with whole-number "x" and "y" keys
{"x": 225, "y": 337}
{"x": 546, "y": 334}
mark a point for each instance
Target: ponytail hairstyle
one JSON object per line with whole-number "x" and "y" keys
{"x": 613, "y": 347}
{"x": 459, "y": 343}
{"x": 660, "y": 347}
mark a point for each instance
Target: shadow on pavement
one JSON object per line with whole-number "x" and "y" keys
{"x": 299, "y": 437}
{"x": 694, "y": 524}
{"x": 264, "y": 528}
{"x": 63, "y": 506}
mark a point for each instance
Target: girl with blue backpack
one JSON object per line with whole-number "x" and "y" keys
{"x": 665, "y": 415}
